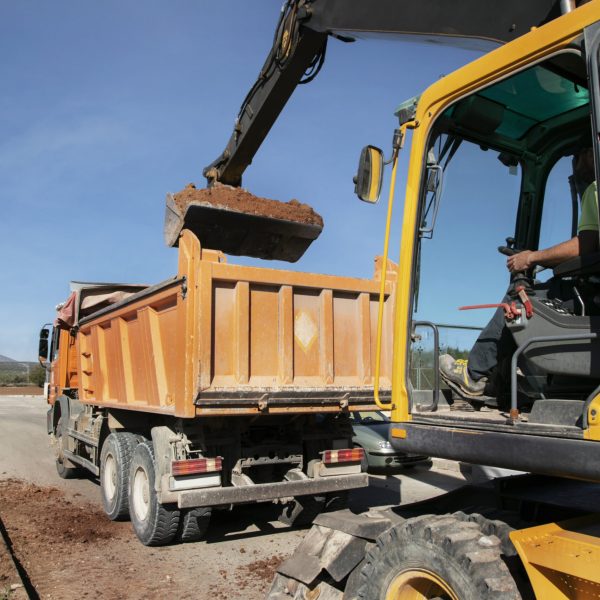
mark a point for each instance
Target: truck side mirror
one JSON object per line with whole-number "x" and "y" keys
{"x": 43, "y": 346}
{"x": 370, "y": 174}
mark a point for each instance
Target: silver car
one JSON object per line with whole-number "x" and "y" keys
{"x": 371, "y": 430}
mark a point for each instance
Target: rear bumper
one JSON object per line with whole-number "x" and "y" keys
{"x": 270, "y": 491}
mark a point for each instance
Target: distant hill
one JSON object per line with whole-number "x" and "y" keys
{"x": 6, "y": 359}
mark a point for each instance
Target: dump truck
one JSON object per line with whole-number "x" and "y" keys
{"x": 222, "y": 385}
{"x": 526, "y": 106}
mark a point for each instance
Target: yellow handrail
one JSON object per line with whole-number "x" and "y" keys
{"x": 386, "y": 243}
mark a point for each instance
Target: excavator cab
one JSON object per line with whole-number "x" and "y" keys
{"x": 503, "y": 158}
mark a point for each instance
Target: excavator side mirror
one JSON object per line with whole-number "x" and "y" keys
{"x": 370, "y": 174}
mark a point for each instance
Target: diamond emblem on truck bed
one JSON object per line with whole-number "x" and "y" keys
{"x": 305, "y": 330}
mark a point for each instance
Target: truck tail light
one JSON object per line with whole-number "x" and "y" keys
{"x": 194, "y": 466}
{"x": 340, "y": 456}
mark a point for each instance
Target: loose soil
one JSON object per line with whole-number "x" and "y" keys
{"x": 240, "y": 200}
{"x": 70, "y": 549}
{"x": 27, "y": 390}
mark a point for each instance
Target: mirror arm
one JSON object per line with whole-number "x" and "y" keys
{"x": 397, "y": 145}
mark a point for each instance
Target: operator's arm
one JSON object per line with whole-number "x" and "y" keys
{"x": 583, "y": 243}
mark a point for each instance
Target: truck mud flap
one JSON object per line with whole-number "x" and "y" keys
{"x": 269, "y": 491}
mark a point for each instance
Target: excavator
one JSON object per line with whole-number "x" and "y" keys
{"x": 529, "y": 104}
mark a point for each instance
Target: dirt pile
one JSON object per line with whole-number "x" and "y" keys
{"x": 70, "y": 550}
{"x": 54, "y": 520}
{"x": 240, "y": 200}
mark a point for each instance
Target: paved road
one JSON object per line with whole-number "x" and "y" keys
{"x": 251, "y": 530}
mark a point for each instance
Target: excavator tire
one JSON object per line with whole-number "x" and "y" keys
{"x": 500, "y": 523}
{"x": 437, "y": 556}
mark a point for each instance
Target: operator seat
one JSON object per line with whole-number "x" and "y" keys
{"x": 553, "y": 317}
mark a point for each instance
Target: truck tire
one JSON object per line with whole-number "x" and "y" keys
{"x": 302, "y": 510}
{"x": 194, "y": 524}
{"x": 155, "y": 524}
{"x": 115, "y": 460}
{"x": 436, "y": 556}
{"x": 64, "y": 467}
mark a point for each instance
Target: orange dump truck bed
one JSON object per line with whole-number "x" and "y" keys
{"x": 222, "y": 339}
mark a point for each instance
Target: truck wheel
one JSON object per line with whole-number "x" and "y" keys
{"x": 435, "y": 556}
{"x": 155, "y": 524}
{"x": 64, "y": 467}
{"x": 302, "y": 510}
{"x": 194, "y": 524}
{"x": 115, "y": 461}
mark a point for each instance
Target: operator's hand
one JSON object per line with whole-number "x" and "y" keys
{"x": 520, "y": 262}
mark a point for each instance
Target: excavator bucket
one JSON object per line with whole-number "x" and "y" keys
{"x": 236, "y": 222}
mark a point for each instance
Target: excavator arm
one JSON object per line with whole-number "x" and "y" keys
{"x": 225, "y": 217}
{"x": 301, "y": 39}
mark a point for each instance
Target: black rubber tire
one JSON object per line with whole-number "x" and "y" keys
{"x": 155, "y": 524}
{"x": 302, "y": 510}
{"x": 193, "y": 524}
{"x": 499, "y": 522}
{"x": 495, "y": 522}
{"x": 119, "y": 446}
{"x": 65, "y": 471}
{"x": 456, "y": 552}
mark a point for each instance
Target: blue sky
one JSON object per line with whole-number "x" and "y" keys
{"x": 106, "y": 107}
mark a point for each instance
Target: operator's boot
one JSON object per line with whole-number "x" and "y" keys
{"x": 456, "y": 374}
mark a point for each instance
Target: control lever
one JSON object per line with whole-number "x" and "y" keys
{"x": 509, "y": 249}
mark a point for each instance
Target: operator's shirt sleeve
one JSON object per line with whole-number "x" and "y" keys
{"x": 588, "y": 221}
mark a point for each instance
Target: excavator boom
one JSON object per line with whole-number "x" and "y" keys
{"x": 297, "y": 55}
{"x": 301, "y": 40}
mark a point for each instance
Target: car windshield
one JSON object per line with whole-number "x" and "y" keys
{"x": 369, "y": 417}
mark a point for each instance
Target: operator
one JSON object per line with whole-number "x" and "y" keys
{"x": 470, "y": 377}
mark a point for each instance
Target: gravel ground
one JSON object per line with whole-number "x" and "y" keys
{"x": 69, "y": 549}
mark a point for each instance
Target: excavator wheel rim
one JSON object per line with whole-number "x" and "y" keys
{"x": 419, "y": 584}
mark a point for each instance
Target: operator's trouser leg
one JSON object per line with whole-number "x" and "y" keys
{"x": 489, "y": 346}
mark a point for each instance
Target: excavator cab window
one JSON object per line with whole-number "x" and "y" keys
{"x": 529, "y": 124}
